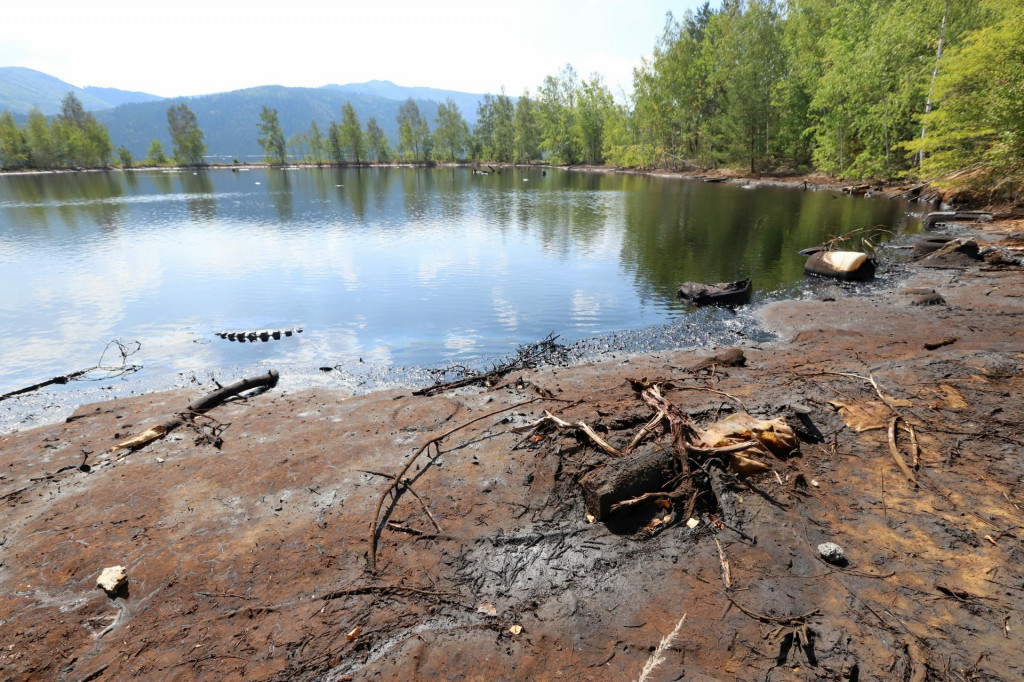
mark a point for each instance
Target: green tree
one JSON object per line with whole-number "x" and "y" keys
{"x": 593, "y": 104}
{"x": 450, "y": 130}
{"x": 317, "y": 144}
{"x": 410, "y": 130}
{"x": 80, "y": 140}
{"x": 186, "y": 136}
{"x": 124, "y": 156}
{"x": 495, "y": 128}
{"x": 351, "y": 131}
{"x": 334, "y": 146}
{"x": 271, "y": 137}
{"x": 156, "y": 155}
{"x": 425, "y": 140}
{"x": 297, "y": 146}
{"x": 750, "y": 45}
{"x": 556, "y": 99}
{"x": 42, "y": 147}
{"x": 72, "y": 111}
{"x": 13, "y": 144}
{"x": 978, "y": 119}
{"x": 526, "y": 130}
{"x": 377, "y": 142}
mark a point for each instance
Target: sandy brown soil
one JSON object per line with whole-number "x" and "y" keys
{"x": 251, "y": 561}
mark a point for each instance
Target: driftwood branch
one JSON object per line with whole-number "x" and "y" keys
{"x": 894, "y": 449}
{"x": 197, "y": 407}
{"x": 398, "y": 478}
{"x": 551, "y": 420}
{"x": 103, "y": 371}
{"x": 545, "y": 351}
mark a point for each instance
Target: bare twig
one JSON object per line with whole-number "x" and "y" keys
{"x": 396, "y": 481}
{"x": 99, "y": 371}
{"x": 894, "y": 449}
{"x": 552, "y": 420}
{"x": 409, "y": 487}
{"x": 545, "y": 351}
{"x": 786, "y": 620}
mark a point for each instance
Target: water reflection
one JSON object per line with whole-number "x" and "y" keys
{"x": 409, "y": 266}
{"x": 279, "y": 186}
{"x": 198, "y": 189}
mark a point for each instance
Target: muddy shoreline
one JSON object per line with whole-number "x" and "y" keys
{"x": 250, "y": 560}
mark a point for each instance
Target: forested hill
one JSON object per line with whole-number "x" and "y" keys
{"x": 230, "y": 120}
{"x": 466, "y": 101}
{"x": 21, "y": 89}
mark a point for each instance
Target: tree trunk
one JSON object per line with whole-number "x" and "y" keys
{"x": 935, "y": 76}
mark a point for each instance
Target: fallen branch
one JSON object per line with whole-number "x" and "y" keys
{"x": 894, "y": 449}
{"x": 198, "y": 407}
{"x": 108, "y": 371}
{"x": 551, "y": 420}
{"x": 726, "y": 573}
{"x": 419, "y": 499}
{"x": 648, "y": 497}
{"x": 546, "y": 351}
{"x": 786, "y": 620}
{"x": 396, "y": 481}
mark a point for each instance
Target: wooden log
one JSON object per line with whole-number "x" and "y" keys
{"x": 650, "y": 468}
{"x": 730, "y": 357}
{"x": 204, "y": 404}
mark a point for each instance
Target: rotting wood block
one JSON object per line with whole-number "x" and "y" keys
{"x": 651, "y": 468}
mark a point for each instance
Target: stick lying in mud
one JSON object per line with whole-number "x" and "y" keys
{"x": 106, "y": 371}
{"x": 398, "y": 478}
{"x": 895, "y": 451}
{"x": 197, "y": 407}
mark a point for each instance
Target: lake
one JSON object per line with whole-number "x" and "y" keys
{"x": 380, "y": 268}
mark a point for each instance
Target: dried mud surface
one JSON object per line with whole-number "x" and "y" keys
{"x": 251, "y": 561}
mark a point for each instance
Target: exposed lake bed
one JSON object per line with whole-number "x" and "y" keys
{"x": 256, "y": 553}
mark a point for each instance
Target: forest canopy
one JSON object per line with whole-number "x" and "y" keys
{"x": 854, "y": 88}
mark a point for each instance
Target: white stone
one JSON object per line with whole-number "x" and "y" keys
{"x": 112, "y": 578}
{"x": 832, "y": 553}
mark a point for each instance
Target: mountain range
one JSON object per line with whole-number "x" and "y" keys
{"x": 228, "y": 120}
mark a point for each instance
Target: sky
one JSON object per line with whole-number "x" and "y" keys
{"x": 195, "y": 47}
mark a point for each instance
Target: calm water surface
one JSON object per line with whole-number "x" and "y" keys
{"x": 389, "y": 266}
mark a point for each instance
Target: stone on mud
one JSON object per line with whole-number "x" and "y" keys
{"x": 112, "y": 579}
{"x": 832, "y": 553}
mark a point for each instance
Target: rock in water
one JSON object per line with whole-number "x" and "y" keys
{"x": 112, "y": 579}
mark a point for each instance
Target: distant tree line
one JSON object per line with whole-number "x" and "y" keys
{"x": 855, "y": 88}
{"x": 75, "y": 139}
{"x": 71, "y": 139}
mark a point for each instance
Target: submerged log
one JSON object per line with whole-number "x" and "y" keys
{"x": 942, "y": 217}
{"x": 723, "y": 293}
{"x": 258, "y": 334}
